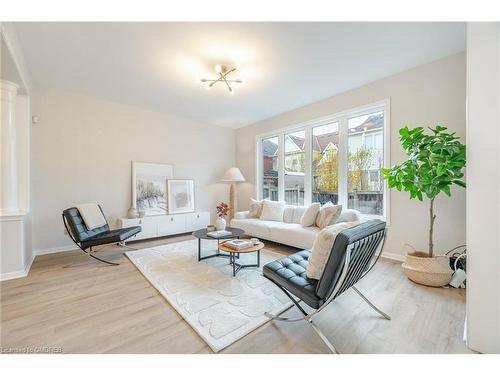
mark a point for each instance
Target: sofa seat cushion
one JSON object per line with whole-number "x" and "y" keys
{"x": 290, "y": 273}
{"x": 293, "y": 234}
{"x": 254, "y": 227}
{"x": 117, "y": 235}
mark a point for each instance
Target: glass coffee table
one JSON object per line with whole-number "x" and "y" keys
{"x": 202, "y": 235}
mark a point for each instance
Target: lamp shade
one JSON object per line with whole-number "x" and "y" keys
{"x": 233, "y": 175}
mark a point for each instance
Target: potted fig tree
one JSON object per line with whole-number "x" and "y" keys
{"x": 435, "y": 162}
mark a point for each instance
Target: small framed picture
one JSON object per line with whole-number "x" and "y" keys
{"x": 180, "y": 196}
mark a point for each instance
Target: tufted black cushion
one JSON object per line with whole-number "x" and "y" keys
{"x": 290, "y": 273}
{"x": 77, "y": 226}
{"x": 99, "y": 236}
{"x": 112, "y": 236}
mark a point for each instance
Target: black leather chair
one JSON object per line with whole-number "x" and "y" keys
{"x": 353, "y": 255}
{"x": 86, "y": 239}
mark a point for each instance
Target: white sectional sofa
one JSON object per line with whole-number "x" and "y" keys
{"x": 289, "y": 231}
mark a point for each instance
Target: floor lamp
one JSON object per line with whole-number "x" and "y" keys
{"x": 232, "y": 175}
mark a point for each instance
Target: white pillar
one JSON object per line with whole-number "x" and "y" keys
{"x": 14, "y": 261}
{"x": 9, "y": 190}
{"x": 483, "y": 186}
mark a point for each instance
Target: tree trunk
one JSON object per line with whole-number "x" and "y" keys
{"x": 431, "y": 229}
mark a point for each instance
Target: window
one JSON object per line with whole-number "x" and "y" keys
{"x": 269, "y": 164}
{"x": 335, "y": 159}
{"x": 365, "y": 158}
{"x": 325, "y": 163}
{"x": 294, "y": 167}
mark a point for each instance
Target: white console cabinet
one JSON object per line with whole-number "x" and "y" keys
{"x": 166, "y": 225}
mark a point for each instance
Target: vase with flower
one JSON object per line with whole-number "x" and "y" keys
{"x": 222, "y": 211}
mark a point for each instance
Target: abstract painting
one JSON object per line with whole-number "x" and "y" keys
{"x": 180, "y": 196}
{"x": 149, "y": 187}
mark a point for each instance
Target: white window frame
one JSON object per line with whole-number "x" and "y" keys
{"x": 342, "y": 119}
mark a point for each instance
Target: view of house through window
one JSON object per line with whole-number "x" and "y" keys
{"x": 365, "y": 158}
{"x": 325, "y": 163}
{"x": 355, "y": 139}
{"x": 295, "y": 167}
{"x": 270, "y": 168}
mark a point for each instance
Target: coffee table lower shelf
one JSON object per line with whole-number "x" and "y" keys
{"x": 233, "y": 254}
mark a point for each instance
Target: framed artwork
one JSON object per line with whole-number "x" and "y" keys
{"x": 180, "y": 196}
{"x": 149, "y": 187}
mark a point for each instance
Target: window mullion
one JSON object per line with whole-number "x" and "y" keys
{"x": 281, "y": 167}
{"x": 308, "y": 166}
{"x": 259, "y": 174}
{"x": 343, "y": 162}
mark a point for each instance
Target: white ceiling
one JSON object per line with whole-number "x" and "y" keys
{"x": 285, "y": 65}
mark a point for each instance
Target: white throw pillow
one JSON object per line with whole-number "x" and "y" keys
{"x": 309, "y": 217}
{"x": 255, "y": 208}
{"x": 322, "y": 247}
{"x": 328, "y": 215}
{"x": 272, "y": 210}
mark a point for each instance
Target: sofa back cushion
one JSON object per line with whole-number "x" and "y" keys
{"x": 298, "y": 213}
{"x": 349, "y": 214}
{"x": 272, "y": 210}
{"x": 288, "y": 214}
{"x": 293, "y": 214}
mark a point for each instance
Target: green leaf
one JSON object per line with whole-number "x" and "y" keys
{"x": 434, "y": 162}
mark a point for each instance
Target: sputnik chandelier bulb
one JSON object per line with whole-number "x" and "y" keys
{"x": 223, "y": 73}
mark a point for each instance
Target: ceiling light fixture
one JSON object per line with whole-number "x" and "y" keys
{"x": 223, "y": 73}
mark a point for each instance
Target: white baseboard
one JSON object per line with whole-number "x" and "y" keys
{"x": 60, "y": 249}
{"x": 393, "y": 256}
{"x": 54, "y": 250}
{"x": 18, "y": 274}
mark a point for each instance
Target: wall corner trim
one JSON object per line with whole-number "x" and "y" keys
{"x": 18, "y": 274}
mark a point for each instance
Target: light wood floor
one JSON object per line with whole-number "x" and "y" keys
{"x": 73, "y": 302}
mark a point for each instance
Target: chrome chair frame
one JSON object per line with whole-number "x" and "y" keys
{"x": 68, "y": 226}
{"x": 342, "y": 284}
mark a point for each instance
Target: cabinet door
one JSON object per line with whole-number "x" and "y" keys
{"x": 126, "y": 223}
{"x": 197, "y": 220}
{"x": 149, "y": 229}
{"x": 172, "y": 224}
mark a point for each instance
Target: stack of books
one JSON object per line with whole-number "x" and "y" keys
{"x": 238, "y": 244}
{"x": 219, "y": 233}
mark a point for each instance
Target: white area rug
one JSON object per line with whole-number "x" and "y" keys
{"x": 220, "y": 308}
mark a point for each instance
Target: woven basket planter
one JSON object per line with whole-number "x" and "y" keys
{"x": 423, "y": 270}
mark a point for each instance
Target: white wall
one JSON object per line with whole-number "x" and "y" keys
{"x": 483, "y": 190}
{"x": 427, "y": 95}
{"x": 82, "y": 151}
{"x": 23, "y": 125}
